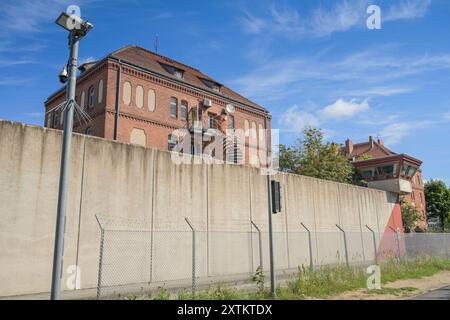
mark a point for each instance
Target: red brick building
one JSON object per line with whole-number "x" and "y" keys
{"x": 384, "y": 169}
{"x": 137, "y": 96}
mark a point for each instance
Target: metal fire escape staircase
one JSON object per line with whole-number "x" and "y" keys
{"x": 232, "y": 152}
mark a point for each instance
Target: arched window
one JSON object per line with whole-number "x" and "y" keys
{"x": 100, "y": 91}
{"x": 91, "y": 93}
{"x": 246, "y": 127}
{"x": 139, "y": 97}
{"x": 127, "y": 93}
{"x": 61, "y": 116}
{"x": 49, "y": 120}
{"x": 230, "y": 122}
{"x": 184, "y": 110}
{"x": 174, "y": 107}
{"x": 88, "y": 131}
{"x": 151, "y": 100}
{"x": 83, "y": 98}
{"x": 55, "y": 118}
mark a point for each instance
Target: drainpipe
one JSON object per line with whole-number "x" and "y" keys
{"x": 116, "y": 114}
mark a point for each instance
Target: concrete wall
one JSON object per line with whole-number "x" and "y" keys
{"x": 127, "y": 183}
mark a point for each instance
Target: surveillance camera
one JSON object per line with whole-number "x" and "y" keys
{"x": 63, "y": 75}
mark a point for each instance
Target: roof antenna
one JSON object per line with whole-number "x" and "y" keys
{"x": 156, "y": 43}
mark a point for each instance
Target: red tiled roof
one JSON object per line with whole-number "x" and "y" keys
{"x": 152, "y": 61}
{"x": 377, "y": 151}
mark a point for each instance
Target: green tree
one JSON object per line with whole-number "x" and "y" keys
{"x": 437, "y": 197}
{"x": 312, "y": 157}
{"x": 288, "y": 159}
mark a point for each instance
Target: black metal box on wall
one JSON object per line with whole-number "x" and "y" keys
{"x": 276, "y": 196}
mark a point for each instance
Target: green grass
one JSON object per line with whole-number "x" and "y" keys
{"x": 330, "y": 281}
{"x": 425, "y": 267}
{"x": 322, "y": 282}
{"x": 393, "y": 291}
{"x": 220, "y": 292}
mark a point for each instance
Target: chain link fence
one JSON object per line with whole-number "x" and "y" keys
{"x": 133, "y": 260}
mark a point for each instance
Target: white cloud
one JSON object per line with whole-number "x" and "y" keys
{"x": 14, "y": 81}
{"x": 87, "y": 60}
{"x": 327, "y": 19}
{"x": 395, "y": 132}
{"x": 13, "y": 62}
{"x": 407, "y": 9}
{"x": 29, "y": 16}
{"x": 379, "y": 91}
{"x": 368, "y": 73}
{"x": 22, "y": 20}
{"x": 343, "y": 109}
{"x": 251, "y": 24}
{"x": 447, "y": 115}
{"x": 286, "y": 20}
{"x": 295, "y": 120}
{"x": 342, "y": 17}
{"x": 9, "y": 46}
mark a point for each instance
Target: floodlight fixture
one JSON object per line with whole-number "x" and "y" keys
{"x": 73, "y": 23}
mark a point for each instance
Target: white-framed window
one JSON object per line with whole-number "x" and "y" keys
{"x": 172, "y": 142}
{"x": 173, "y": 70}
{"x": 174, "y": 107}
{"x": 184, "y": 110}
{"x": 100, "y": 92}
{"x": 230, "y": 122}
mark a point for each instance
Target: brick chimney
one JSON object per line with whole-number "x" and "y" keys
{"x": 348, "y": 147}
{"x": 371, "y": 142}
{"x": 380, "y": 142}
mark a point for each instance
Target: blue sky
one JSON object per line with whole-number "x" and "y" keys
{"x": 309, "y": 62}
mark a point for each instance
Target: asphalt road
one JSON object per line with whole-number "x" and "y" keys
{"x": 439, "y": 294}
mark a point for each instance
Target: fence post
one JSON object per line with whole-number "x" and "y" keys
{"x": 446, "y": 243}
{"x": 260, "y": 247}
{"x": 345, "y": 244}
{"x": 311, "y": 265}
{"x": 193, "y": 256}
{"x": 100, "y": 260}
{"x": 397, "y": 241}
{"x": 374, "y": 244}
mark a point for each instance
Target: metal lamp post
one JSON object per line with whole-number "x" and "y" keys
{"x": 269, "y": 207}
{"x": 78, "y": 29}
